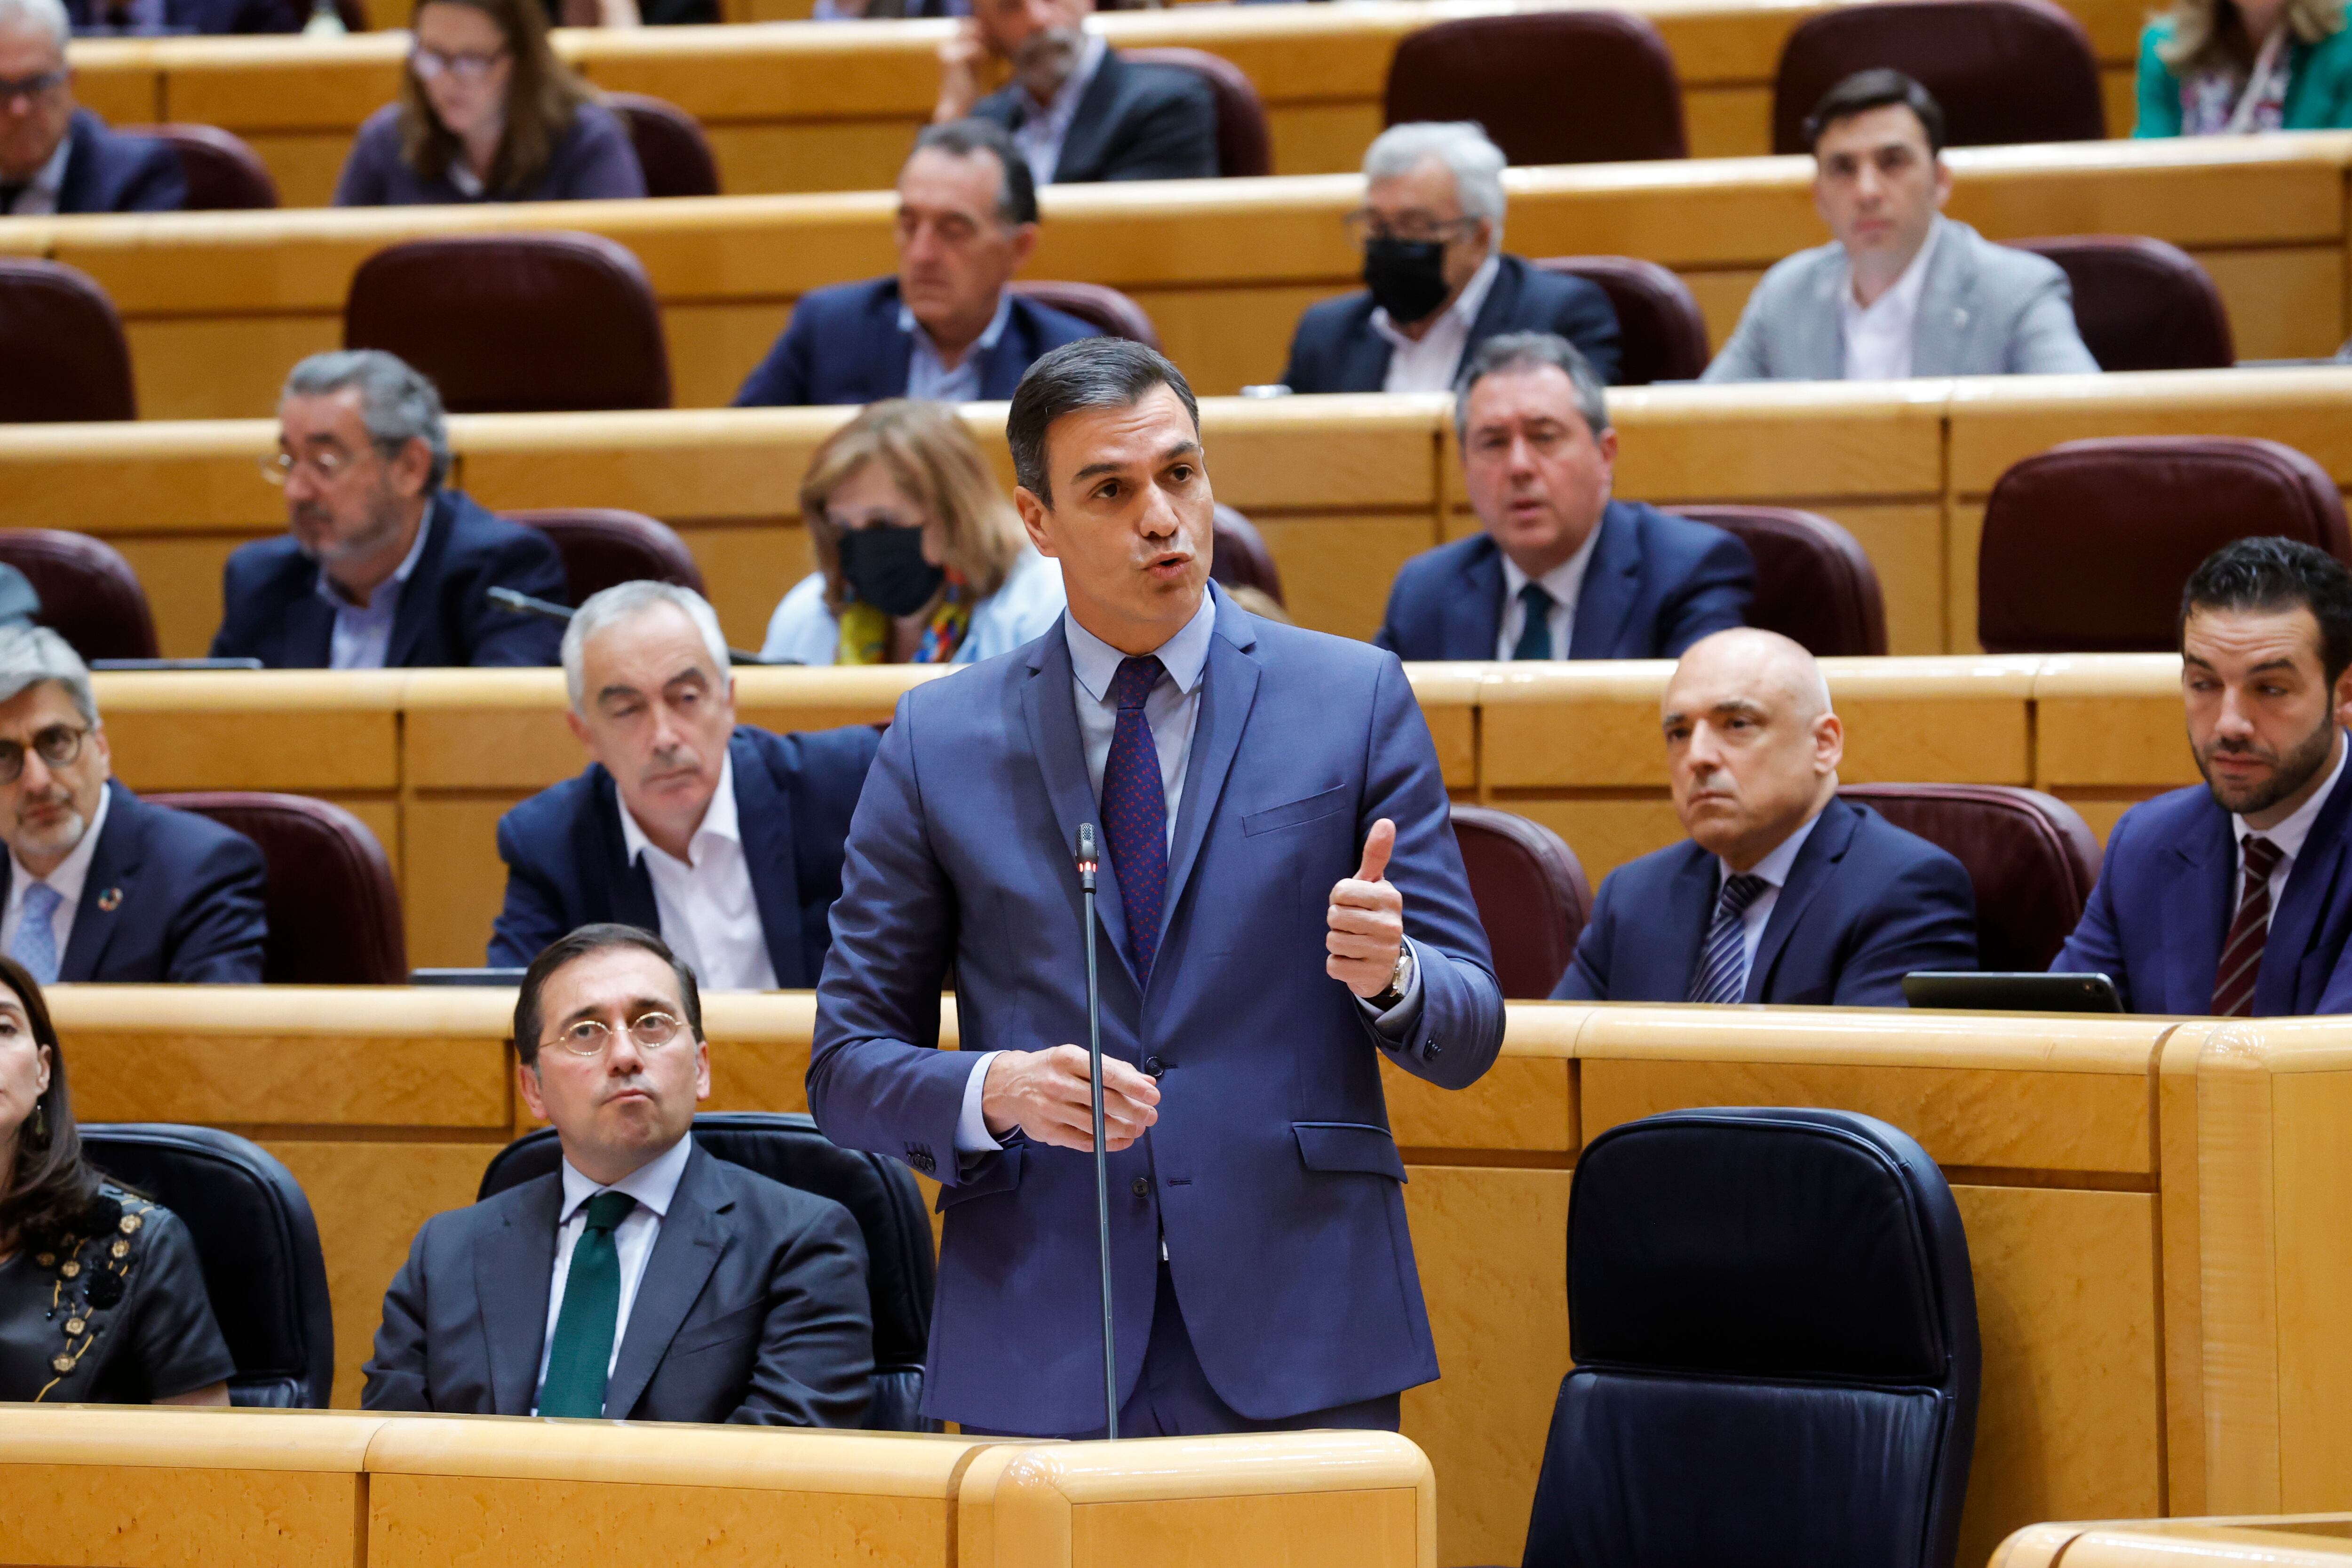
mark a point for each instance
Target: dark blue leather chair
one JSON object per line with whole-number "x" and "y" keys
{"x": 1775, "y": 1336}
{"x": 879, "y": 1194}
{"x": 258, "y": 1243}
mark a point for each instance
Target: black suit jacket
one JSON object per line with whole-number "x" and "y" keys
{"x": 109, "y": 174}
{"x": 1334, "y": 348}
{"x": 271, "y": 609}
{"x": 753, "y": 1308}
{"x": 1135, "y": 122}
{"x": 842, "y": 345}
{"x": 180, "y": 16}
{"x": 171, "y": 897}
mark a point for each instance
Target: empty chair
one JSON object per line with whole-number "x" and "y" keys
{"x": 1098, "y": 305}
{"x": 2001, "y": 70}
{"x": 1815, "y": 584}
{"x": 2140, "y": 303}
{"x": 259, "y": 1246}
{"x": 1531, "y": 894}
{"x": 1774, "y": 1330}
{"x": 516, "y": 323}
{"x": 63, "y": 345}
{"x": 879, "y": 1194}
{"x": 1551, "y": 87}
{"x": 1245, "y": 148}
{"x": 224, "y": 174}
{"x": 1661, "y": 334}
{"x": 2030, "y": 858}
{"x": 2133, "y": 515}
{"x": 334, "y": 909}
{"x": 602, "y": 546}
{"x": 89, "y": 595}
{"x": 1240, "y": 559}
{"x": 671, "y": 149}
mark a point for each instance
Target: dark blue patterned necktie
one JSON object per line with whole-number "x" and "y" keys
{"x": 1135, "y": 810}
{"x": 1722, "y": 973}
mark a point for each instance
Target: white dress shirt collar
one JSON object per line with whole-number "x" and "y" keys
{"x": 654, "y": 1183}
{"x": 1184, "y": 655}
{"x": 1879, "y": 337}
{"x": 928, "y": 377}
{"x": 1564, "y": 582}
{"x": 1428, "y": 364}
{"x": 719, "y": 821}
{"x": 1774, "y": 867}
{"x": 2287, "y": 835}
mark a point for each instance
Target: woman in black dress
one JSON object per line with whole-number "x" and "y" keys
{"x": 101, "y": 1297}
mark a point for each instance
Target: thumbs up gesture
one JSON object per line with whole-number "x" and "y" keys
{"x": 1367, "y": 920}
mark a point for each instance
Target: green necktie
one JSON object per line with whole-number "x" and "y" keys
{"x": 582, "y": 1353}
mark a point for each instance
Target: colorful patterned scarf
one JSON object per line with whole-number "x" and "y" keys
{"x": 866, "y": 631}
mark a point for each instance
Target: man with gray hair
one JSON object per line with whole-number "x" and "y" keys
{"x": 56, "y": 157}
{"x": 725, "y": 839}
{"x": 382, "y": 567}
{"x": 1561, "y": 569}
{"x": 1437, "y": 281}
{"x": 101, "y": 885}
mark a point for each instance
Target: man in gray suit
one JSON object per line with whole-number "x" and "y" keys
{"x": 1904, "y": 290}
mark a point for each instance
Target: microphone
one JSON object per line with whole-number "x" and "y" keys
{"x": 524, "y": 605}
{"x": 1086, "y": 866}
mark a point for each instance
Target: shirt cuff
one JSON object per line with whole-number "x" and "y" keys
{"x": 1398, "y": 1022}
{"x": 971, "y": 1127}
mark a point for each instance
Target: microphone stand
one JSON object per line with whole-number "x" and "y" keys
{"x": 1086, "y": 865}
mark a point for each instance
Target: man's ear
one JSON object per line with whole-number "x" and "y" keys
{"x": 413, "y": 467}
{"x": 527, "y": 1085}
{"x": 1943, "y": 182}
{"x": 1828, "y": 742}
{"x": 1033, "y": 513}
{"x": 1024, "y": 241}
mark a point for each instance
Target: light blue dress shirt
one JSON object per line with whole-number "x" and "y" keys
{"x": 1042, "y": 131}
{"x": 363, "y": 634}
{"x": 929, "y": 379}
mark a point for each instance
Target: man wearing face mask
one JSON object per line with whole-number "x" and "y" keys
{"x": 1438, "y": 284}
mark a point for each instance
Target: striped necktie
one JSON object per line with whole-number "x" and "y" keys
{"x": 2242, "y": 954}
{"x": 1722, "y": 973}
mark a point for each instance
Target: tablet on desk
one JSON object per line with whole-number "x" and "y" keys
{"x": 2031, "y": 993}
{"x": 465, "y": 976}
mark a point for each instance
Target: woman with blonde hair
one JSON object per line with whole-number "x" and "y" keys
{"x": 920, "y": 558}
{"x": 2218, "y": 68}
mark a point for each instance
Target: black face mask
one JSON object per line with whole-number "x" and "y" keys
{"x": 1407, "y": 276}
{"x": 885, "y": 568}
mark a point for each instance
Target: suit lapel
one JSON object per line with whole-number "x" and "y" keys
{"x": 892, "y": 350}
{"x": 111, "y": 885}
{"x": 1473, "y": 612}
{"x": 1818, "y": 350}
{"x": 1501, "y": 305}
{"x": 763, "y": 815}
{"x": 2309, "y": 894}
{"x": 686, "y": 1249}
{"x": 2195, "y": 912}
{"x": 629, "y": 886}
{"x": 1364, "y": 366}
{"x": 1938, "y": 334}
{"x": 1088, "y": 142}
{"x": 1690, "y": 908}
{"x": 1228, "y": 687}
{"x": 514, "y": 1268}
{"x": 1613, "y": 583}
{"x": 1833, "y": 830}
{"x": 307, "y": 631}
{"x": 416, "y": 596}
{"x": 1052, "y": 711}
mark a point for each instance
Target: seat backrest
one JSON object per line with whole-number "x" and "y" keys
{"x": 334, "y": 909}
{"x": 1245, "y": 147}
{"x": 1661, "y": 335}
{"x": 1531, "y": 894}
{"x": 516, "y": 323}
{"x": 2001, "y": 70}
{"x": 601, "y": 547}
{"x": 2030, "y": 858}
{"x": 671, "y": 148}
{"x": 879, "y": 1194}
{"x": 1763, "y": 1306}
{"x": 1099, "y": 305}
{"x": 1551, "y": 87}
{"x": 1814, "y": 584}
{"x": 2135, "y": 515}
{"x": 2140, "y": 303}
{"x": 89, "y": 595}
{"x": 258, "y": 1242}
{"x": 1240, "y": 558}
{"x": 63, "y": 345}
{"x": 224, "y": 174}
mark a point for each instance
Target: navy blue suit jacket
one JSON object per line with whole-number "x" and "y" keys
{"x": 171, "y": 897}
{"x": 1135, "y": 122}
{"x": 568, "y": 864}
{"x": 1334, "y": 348}
{"x": 2166, "y": 895}
{"x": 207, "y": 17}
{"x": 1656, "y": 584}
{"x": 109, "y": 174}
{"x": 1865, "y": 903}
{"x": 270, "y": 607}
{"x": 1272, "y": 1172}
{"x": 843, "y": 345}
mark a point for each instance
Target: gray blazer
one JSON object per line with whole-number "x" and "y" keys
{"x": 1985, "y": 309}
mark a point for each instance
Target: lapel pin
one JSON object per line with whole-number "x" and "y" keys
{"x": 110, "y": 899}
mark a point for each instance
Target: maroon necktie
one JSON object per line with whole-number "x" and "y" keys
{"x": 2241, "y": 955}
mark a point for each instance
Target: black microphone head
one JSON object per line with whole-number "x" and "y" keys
{"x": 1086, "y": 841}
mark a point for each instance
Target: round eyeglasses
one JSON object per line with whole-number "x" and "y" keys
{"x": 58, "y": 745}
{"x": 430, "y": 63}
{"x": 325, "y": 466}
{"x": 590, "y": 1036}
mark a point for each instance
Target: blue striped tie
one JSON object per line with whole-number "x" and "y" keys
{"x": 1722, "y": 974}
{"x": 36, "y": 946}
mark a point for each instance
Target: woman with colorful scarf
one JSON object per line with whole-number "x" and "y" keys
{"x": 2232, "y": 68}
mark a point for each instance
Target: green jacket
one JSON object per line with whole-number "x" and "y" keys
{"x": 2318, "y": 85}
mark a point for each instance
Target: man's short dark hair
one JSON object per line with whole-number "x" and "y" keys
{"x": 579, "y": 944}
{"x": 1093, "y": 372}
{"x": 1865, "y": 90}
{"x": 1532, "y": 351}
{"x": 1016, "y": 193}
{"x": 2268, "y": 574}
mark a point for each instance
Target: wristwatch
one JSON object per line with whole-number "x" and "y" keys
{"x": 1400, "y": 980}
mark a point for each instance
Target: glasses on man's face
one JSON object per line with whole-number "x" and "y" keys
{"x": 326, "y": 465}
{"x": 29, "y": 89}
{"x": 1364, "y": 226}
{"x": 650, "y": 1031}
{"x": 58, "y": 745}
{"x": 430, "y": 64}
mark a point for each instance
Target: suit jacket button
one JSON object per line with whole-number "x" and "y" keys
{"x": 1142, "y": 1186}
{"x": 1433, "y": 1049}
{"x": 1153, "y": 1066}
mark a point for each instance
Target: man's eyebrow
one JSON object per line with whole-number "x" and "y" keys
{"x": 631, "y": 1008}
{"x": 607, "y": 693}
{"x": 1181, "y": 449}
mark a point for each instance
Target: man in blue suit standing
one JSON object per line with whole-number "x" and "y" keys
{"x": 1283, "y": 908}
{"x": 2235, "y": 898}
{"x": 1562, "y": 571}
{"x": 946, "y": 327}
{"x": 56, "y": 157}
{"x": 1784, "y": 893}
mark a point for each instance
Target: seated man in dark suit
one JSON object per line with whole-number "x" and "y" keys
{"x": 383, "y": 569}
{"x": 1784, "y": 893}
{"x": 55, "y": 157}
{"x": 1077, "y": 111}
{"x": 152, "y": 18}
{"x": 99, "y": 884}
{"x": 945, "y": 329}
{"x": 1562, "y": 571}
{"x": 645, "y": 1279}
{"x": 2230, "y": 898}
{"x": 725, "y": 839}
{"x": 1438, "y": 284}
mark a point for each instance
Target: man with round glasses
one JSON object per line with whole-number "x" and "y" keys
{"x": 56, "y": 157}
{"x": 643, "y": 1279}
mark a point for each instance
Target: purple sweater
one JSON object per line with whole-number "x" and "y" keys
{"x": 593, "y": 160}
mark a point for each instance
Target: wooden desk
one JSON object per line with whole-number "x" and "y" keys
{"x": 2293, "y": 1541}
